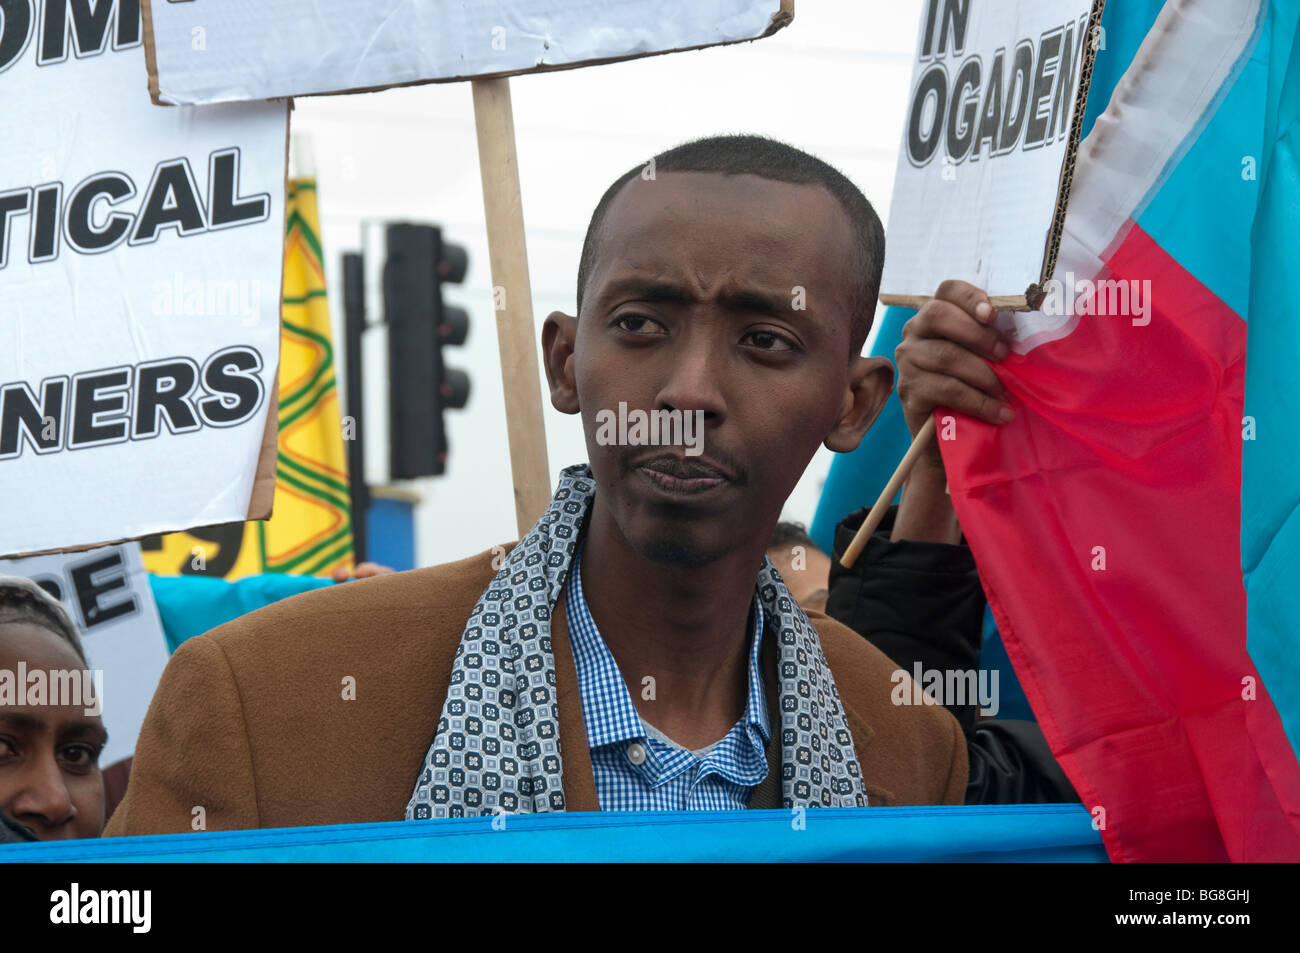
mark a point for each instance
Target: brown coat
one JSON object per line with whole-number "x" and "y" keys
{"x": 250, "y": 722}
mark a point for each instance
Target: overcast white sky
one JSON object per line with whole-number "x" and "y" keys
{"x": 834, "y": 83}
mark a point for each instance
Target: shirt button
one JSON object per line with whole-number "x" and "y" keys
{"x": 636, "y": 753}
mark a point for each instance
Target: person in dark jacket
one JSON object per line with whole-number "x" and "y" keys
{"x": 922, "y": 605}
{"x": 914, "y": 592}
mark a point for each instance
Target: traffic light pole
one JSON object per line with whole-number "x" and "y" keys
{"x": 354, "y": 307}
{"x": 516, "y": 334}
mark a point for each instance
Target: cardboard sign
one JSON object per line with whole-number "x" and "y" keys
{"x": 106, "y": 592}
{"x": 140, "y": 270}
{"x": 311, "y": 531}
{"x": 212, "y": 51}
{"x": 992, "y": 126}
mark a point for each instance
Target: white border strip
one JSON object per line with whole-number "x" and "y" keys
{"x": 1155, "y": 114}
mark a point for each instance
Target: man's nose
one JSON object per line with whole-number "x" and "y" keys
{"x": 696, "y": 378}
{"x": 43, "y": 797}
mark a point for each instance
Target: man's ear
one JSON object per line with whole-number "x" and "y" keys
{"x": 871, "y": 381}
{"x": 559, "y": 335}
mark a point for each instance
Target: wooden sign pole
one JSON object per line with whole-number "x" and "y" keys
{"x": 881, "y": 507}
{"x": 516, "y": 336}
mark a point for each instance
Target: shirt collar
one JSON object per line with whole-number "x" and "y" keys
{"x": 608, "y": 708}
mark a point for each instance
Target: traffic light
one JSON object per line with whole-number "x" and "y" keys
{"x": 420, "y": 324}
{"x": 452, "y": 392}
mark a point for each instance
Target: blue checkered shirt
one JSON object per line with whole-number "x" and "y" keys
{"x": 638, "y": 769}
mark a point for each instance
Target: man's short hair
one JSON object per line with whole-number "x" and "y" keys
{"x": 779, "y": 162}
{"x": 787, "y": 534}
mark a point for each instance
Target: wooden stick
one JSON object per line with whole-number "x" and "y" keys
{"x": 516, "y": 337}
{"x": 919, "y": 442}
{"x": 999, "y": 302}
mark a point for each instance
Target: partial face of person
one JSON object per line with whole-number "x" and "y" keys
{"x": 730, "y": 296}
{"x": 49, "y": 754}
{"x": 806, "y": 572}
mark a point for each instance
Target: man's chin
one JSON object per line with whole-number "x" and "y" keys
{"x": 680, "y": 553}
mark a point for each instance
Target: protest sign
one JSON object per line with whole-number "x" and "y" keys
{"x": 140, "y": 270}
{"x": 211, "y": 51}
{"x": 992, "y": 126}
{"x": 311, "y": 531}
{"x": 106, "y": 592}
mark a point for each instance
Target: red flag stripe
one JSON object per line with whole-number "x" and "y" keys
{"x": 1127, "y": 449}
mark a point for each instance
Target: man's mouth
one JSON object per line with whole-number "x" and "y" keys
{"x": 682, "y": 476}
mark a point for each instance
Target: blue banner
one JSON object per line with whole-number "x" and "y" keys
{"x": 1041, "y": 832}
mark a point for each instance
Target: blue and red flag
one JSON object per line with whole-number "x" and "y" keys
{"x": 1110, "y": 522}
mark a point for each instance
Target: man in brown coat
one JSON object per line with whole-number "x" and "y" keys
{"x": 635, "y": 650}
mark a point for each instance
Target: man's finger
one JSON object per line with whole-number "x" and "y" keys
{"x": 940, "y": 390}
{"x": 942, "y": 319}
{"x": 967, "y": 297}
{"x": 941, "y": 356}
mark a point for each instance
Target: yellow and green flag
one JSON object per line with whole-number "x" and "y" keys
{"x": 310, "y": 531}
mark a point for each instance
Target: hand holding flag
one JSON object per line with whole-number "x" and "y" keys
{"x": 943, "y": 360}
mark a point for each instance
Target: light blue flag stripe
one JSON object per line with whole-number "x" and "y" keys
{"x": 1217, "y": 171}
{"x": 1270, "y": 490}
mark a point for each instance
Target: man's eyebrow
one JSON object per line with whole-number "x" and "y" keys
{"x": 76, "y": 730}
{"x": 645, "y": 289}
{"x": 21, "y": 721}
{"x": 83, "y": 731}
{"x": 776, "y": 305}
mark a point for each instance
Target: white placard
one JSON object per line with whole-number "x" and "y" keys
{"x": 140, "y": 263}
{"x": 990, "y": 129}
{"x": 212, "y": 51}
{"x": 106, "y": 592}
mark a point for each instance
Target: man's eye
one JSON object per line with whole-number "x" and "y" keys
{"x": 769, "y": 341}
{"x": 638, "y": 324}
{"x": 80, "y": 757}
{"x": 7, "y": 748}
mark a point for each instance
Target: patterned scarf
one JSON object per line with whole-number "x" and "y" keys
{"x": 497, "y": 746}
